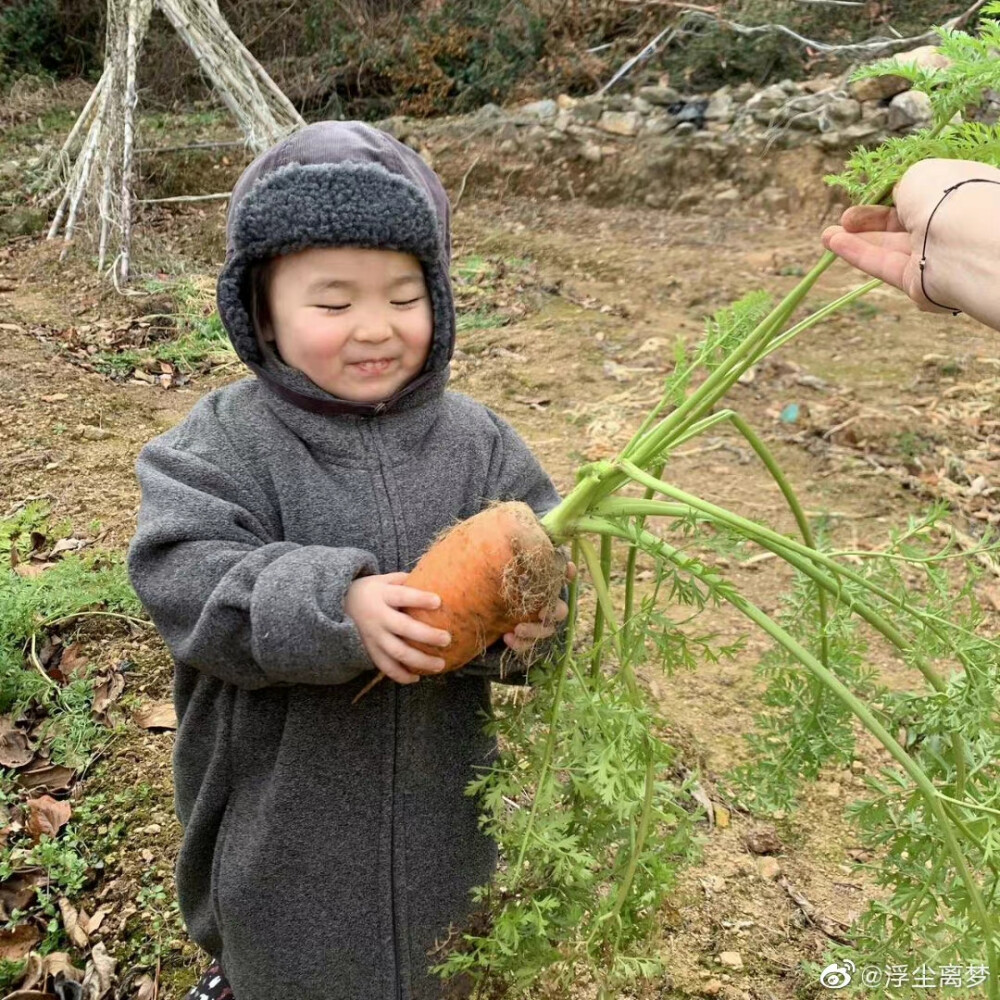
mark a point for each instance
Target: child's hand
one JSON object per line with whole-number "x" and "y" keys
{"x": 527, "y": 634}
{"x": 372, "y": 601}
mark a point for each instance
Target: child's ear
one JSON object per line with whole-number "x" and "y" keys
{"x": 259, "y": 305}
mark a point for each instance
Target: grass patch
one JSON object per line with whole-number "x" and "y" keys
{"x": 35, "y": 609}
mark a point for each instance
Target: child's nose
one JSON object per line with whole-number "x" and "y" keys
{"x": 373, "y": 328}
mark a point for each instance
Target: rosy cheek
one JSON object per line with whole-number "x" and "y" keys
{"x": 319, "y": 338}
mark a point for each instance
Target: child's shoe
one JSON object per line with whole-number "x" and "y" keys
{"x": 213, "y": 985}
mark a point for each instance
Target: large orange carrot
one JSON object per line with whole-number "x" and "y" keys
{"x": 492, "y": 572}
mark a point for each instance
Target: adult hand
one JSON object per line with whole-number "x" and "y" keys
{"x": 375, "y": 603}
{"x": 887, "y": 243}
{"x": 526, "y": 634}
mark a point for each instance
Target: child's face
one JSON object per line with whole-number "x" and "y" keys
{"x": 357, "y": 321}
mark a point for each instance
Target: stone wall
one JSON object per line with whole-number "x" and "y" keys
{"x": 673, "y": 150}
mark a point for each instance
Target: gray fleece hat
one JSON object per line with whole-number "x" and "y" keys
{"x": 336, "y": 183}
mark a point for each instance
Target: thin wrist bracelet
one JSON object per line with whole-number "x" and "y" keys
{"x": 923, "y": 252}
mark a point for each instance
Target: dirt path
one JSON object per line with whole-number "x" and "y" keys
{"x": 575, "y": 374}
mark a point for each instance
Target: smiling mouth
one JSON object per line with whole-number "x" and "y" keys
{"x": 372, "y": 367}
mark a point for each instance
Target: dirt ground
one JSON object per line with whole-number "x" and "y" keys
{"x": 608, "y": 293}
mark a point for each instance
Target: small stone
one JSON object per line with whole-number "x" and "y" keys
{"x": 147, "y": 855}
{"x": 768, "y": 868}
{"x": 540, "y": 109}
{"x": 830, "y": 789}
{"x": 89, "y": 433}
{"x": 805, "y": 121}
{"x": 566, "y": 103}
{"x": 658, "y": 124}
{"x": 858, "y": 766}
{"x": 729, "y": 196}
{"x": 911, "y": 109}
{"x": 686, "y": 128}
{"x": 762, "y": 840}
{"x": 839, "y": 113}
{"x": 928, "y": 57}
{"x": 861, "y": 132}
{"x": 712, "y": 988}
{"x": 563, "y": 121}
{"x": 588, "y": 111}
{"x": 659, "y": 95}
{"x": 689, "y": 199}
{"x": 641, "y": 105}
{"x": 590, "y": 152}
{"x": 625, "y": 123}
{"x": 152, "y": 828}
{"x": 720, "y": 107}
{"x": 507, "y": 148}
{"x": 877, "y": 88}
{"x": 731, "y": 959}
{"x": 489, "y": 110}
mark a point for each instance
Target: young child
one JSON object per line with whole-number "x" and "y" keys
{"x": 327, "y": 845}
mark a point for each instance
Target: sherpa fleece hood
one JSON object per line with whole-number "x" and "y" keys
{"x": 337, "y": 183}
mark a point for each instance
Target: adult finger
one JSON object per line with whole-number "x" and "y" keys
{"x": 533, "y": 630}
{"x": 560, "y": 611}
{"x": 410, "y": 597}
{"x": 866, "y": 218}
{"x": 873, "y": 254}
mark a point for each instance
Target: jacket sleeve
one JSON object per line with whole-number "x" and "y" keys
{"x": 515, "y": 474}
{"x": 228, "y": 599}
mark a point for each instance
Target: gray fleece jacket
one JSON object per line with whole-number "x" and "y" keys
{"x": 327, "y": 846}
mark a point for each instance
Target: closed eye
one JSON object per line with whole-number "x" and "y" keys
{"x": 337, "y": 309}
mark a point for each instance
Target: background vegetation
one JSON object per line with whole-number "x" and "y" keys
{"x": 372, "y": 58}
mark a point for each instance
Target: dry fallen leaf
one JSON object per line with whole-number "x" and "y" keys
{"x": 108, "y": 691}
{"x": 721, "y": 816}
{"x": 54, "y": 777}
{"x": 46, "y": 815}
{"x": 73, "y": 664}
{"x": 72, "y": 924}
{"x": 100, "y": 973}
{"x": 18, "y": 891}
{"x": 29, "y": 570}
{"x": 30, "y": 995}
{"x": 159, "y": 715}
{"x": 14, "y": 748}
{"x": 68, "y": 545}
{"x": 40, "y": 968}
{"x": 15, "y": 944}
{"x": 97, "y": 919}
{"x": 58, "y": 963}
{"x": 147, "y": 988}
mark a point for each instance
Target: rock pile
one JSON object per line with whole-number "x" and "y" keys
{"x": 671, "y": 149}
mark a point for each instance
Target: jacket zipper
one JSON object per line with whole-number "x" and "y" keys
{"x": 398, "y": 991}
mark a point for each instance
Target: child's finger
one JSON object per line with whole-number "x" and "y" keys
{"x": 406, "y": 627}
{"x": 410, "y": 658}
{"x": 410, "y": 597}
{"x": 570, "y": 570}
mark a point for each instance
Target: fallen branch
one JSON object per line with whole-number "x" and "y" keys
{"x": 872, "y": 47}
{"x": 819, "y": 920}
{"x": 186, "y": 197}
